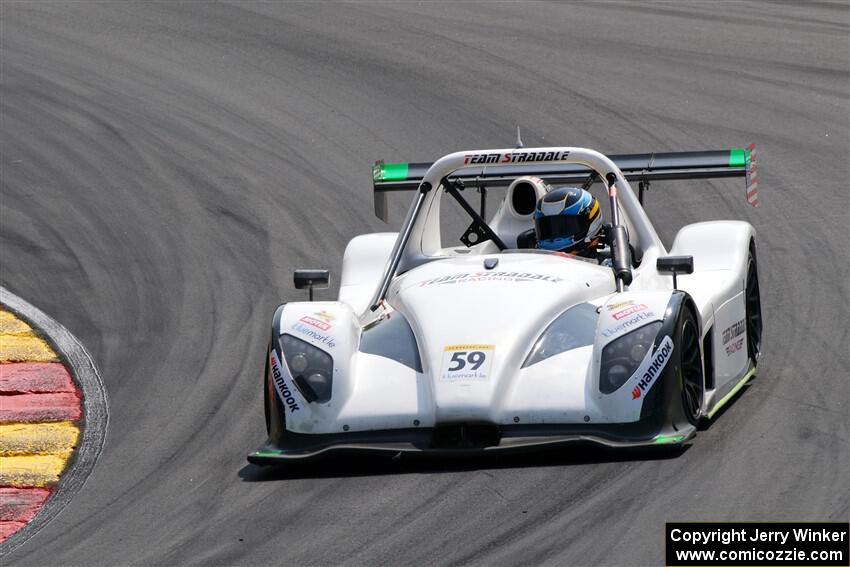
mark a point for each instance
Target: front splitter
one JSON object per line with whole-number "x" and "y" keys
{"x": 513, "y": 439}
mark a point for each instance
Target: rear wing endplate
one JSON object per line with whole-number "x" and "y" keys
{"x": 735, "y": 162}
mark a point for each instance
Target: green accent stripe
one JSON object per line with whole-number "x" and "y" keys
{"x": 737, "y": 157}
{"x": 267, "y": 453}
{"x": 731, "y": 393}
{"x": 391, "y": 172}
{"x": 668, "y": 439}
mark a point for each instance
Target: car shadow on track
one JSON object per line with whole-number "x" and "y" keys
{"x": 354, "y": 465}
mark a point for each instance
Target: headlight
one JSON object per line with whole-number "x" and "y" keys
{"x": 573, "y": 328}
{"x": 620, "y": 358}
{"x": 311, "y": 368}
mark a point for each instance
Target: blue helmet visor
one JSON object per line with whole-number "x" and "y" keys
{"x": 574, "y": 227}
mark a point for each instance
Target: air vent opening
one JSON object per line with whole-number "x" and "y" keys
{"x": 708, "y": 360}
{"x": 524, "y": 199}
{"x": 466, "y": 436}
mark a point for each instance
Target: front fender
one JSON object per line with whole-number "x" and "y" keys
{"x": 620, "y": 315}
{"x": 662, "y": 409}
{"x": 330, "y": 326}
{"x": 659, "y": 407}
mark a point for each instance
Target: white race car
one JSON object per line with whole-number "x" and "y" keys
{"x": 488, "y": 346}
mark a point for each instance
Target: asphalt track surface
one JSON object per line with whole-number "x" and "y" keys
{"x": 166, "y": 166}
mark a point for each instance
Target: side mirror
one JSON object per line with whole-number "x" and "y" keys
{"x": 675, "y": 265}
{"x": 310, "y": 279}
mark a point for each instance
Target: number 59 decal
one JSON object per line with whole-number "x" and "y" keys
{"x": 467, "y": 362}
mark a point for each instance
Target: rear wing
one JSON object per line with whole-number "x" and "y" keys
{"x": 735, "y": 162}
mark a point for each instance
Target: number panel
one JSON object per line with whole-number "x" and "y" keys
{"x": 467, "y": 362}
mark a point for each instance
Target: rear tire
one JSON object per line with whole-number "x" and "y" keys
{"x": 691, "y": 375}
{"x": 753, "y": 307}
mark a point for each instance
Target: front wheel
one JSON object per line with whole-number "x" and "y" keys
{"x": 690, "y": 366}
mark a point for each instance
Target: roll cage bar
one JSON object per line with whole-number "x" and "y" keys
{"x": 438, "y": 175}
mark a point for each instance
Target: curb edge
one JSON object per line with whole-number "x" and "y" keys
{"x": 96, "y": 416}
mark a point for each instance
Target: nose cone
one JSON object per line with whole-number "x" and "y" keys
{"x": 475, "y": 326}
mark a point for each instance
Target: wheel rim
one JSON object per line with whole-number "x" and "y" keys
{"x": 691, "y": 372}
{"x": 753, "y": 312}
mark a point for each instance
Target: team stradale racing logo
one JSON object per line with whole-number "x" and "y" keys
{"x": 730, "y": 337}
{"x": 491, "y": 277}
{"x": 514, "y": 157}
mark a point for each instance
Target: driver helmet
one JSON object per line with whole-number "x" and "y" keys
{"x": 568, "y": 219}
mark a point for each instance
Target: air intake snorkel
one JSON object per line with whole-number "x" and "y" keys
{"x": 621, "y": 254}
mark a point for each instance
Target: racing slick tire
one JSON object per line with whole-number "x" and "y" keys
{"x": 752, "y": 298}
{"x": 266, "y": 402}
{"x": 274, "y": 416}
{"x": 690, "y": 368}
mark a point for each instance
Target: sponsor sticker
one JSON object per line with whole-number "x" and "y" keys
{"x": 467, "y": 362}
{"x": 734, "y": 346}
{"x": 619, "y": 304}
{"x": 730, "y": 336}
{"x": 281, "y": 385}
{"x": 733, "y": 331}
{"x": 490, "y": 277}
{"x": 630, "y": 310}
{"x": 325, "y": 339}
{"x": 635, "y": 320}
{"x": 650, "y": 369}
{"x": 325, "y": 316}
{"x": 315, "y": 322}
{"x": 322, "y": 320}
